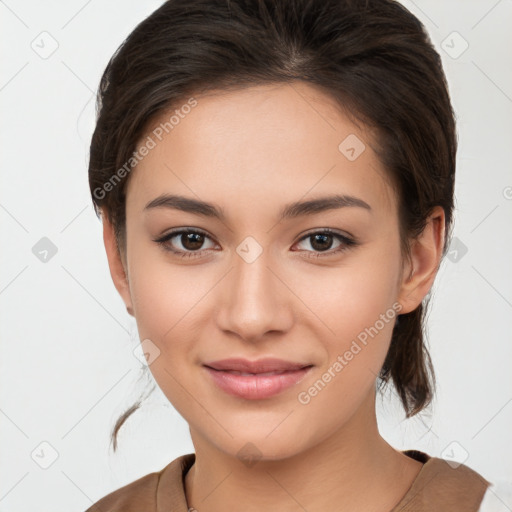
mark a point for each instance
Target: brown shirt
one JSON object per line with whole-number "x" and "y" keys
{"x": 438, "y": 487}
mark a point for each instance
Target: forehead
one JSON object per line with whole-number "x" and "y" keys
{"x": 264, "y": 143}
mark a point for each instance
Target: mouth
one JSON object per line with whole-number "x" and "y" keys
{"x": 256, "y": 380}
{"x": 234, "y": 372}
{"x": 266, "y": 365}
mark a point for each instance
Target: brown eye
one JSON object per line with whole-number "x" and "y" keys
{"x": 322, "y": 242}
{"x": 184, "y": 242}
{"x": 192, "y": 241}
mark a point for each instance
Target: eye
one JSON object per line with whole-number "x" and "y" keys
{"x": 191, "y": 240}
{"x": 323, "y": 240}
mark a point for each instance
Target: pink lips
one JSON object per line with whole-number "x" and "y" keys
{"x": 256, "y": 380}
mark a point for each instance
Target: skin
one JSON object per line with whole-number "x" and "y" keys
{"x": 251, "y": 151}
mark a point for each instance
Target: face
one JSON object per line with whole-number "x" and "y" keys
{"x": 253, "y": 285}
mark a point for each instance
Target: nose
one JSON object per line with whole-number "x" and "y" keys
{"x": 255, "y": 300}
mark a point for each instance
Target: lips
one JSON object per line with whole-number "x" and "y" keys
{"x": 262, "y": 366}
{"x": 256, "y": 380}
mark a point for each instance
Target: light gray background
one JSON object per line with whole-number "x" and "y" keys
{"x": 67, "y": 363}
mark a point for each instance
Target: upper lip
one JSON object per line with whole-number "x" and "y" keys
{"x": 259, "y": 366}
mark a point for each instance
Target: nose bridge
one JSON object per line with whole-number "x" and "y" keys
{"x": 253, "y": 303}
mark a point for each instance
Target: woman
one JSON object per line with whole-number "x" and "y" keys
{"x": 275, "y": 181}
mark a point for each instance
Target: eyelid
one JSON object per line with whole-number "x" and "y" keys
{"x": 330, "y": 231}
{"x": 346, "y": 240}
{"x": 179, "y": 231}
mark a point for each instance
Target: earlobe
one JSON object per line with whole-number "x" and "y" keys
{"x": 117, "y": 268}
{"x": 425, "y": 258}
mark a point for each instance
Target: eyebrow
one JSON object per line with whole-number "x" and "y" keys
{"x": 290, "y": 211}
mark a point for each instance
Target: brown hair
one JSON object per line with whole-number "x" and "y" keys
{"x": 372, "y": 56}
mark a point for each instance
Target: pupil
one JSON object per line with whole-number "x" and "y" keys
{"x": 324, "y": 238}
{"x": 192, "y": 240}
{"x": 195, "y": 241}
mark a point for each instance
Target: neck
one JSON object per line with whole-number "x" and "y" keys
{"x": 352, "y": 469}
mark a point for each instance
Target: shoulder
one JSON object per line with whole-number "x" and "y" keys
{"x": 135, "y": 496}
{"x": 444, "y": 485}
{"x": 145, "y": 492}
{"x": 453, "y": 485}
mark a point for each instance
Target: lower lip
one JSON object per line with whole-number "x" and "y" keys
{"x": 256, "y": 387}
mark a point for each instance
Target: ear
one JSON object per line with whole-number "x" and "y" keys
{"x": 426, "y": 253}
{"x": 116, "y": 264}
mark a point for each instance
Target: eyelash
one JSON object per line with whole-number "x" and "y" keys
{"x": 347, "y": 243}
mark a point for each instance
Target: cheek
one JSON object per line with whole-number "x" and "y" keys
{"x": 164, "y": 294}
{"x": 358, "y": 310}
{"x": 165, "y": 300}
{"x": 154, "y": 303}
{"x": 361, "y": 304}
{"x": 355, "y": 309}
